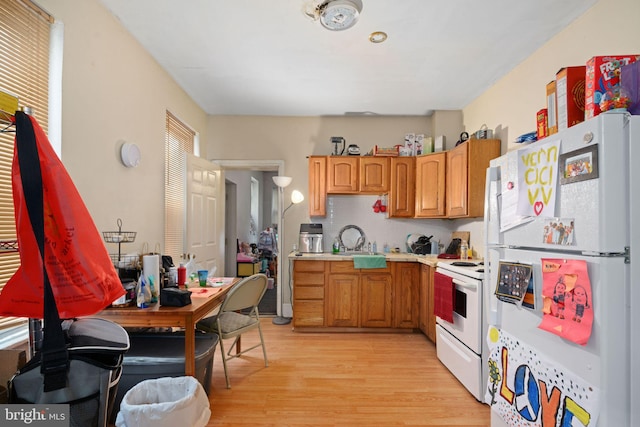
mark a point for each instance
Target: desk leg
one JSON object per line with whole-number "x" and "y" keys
{"x": 190, "y": 350}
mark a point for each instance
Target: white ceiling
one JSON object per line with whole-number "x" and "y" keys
{"x": 266, "y": 57}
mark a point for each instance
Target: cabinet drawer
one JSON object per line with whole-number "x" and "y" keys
{"x": 342, "y": 267}
{"x": 308, "y": 292}
{"x": 309, "y": 266}
{"x": 308, "y": 313}
{"x": 306, "y": 278}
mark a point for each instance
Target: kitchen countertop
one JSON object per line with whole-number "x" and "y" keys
{"x": 430, "y": 260}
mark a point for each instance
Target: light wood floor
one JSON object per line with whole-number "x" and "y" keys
{"x": 349, "y": 379}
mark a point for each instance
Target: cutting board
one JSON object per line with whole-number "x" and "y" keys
{"x": 462, "y": 235}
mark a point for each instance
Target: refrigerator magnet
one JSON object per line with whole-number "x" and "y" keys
{"x": 579, "y": 165}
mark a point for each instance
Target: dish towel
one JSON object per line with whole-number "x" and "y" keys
{"x": 444, "y": 295}
{"x": 369, "y": 261}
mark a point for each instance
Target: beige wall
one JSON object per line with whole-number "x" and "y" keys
{"x": 112, "y": 90}
{"x": 610, "y": 27}
{"x": 292, "y": 139}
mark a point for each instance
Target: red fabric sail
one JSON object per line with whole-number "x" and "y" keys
{"x": 82, "y": 276}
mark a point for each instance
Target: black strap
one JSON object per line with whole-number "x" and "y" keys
{"x": 55, "y": 358}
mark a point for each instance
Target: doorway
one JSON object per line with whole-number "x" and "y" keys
{"x": 232, "y": 216}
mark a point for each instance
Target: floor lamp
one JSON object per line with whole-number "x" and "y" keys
{"x": 296, "y": 197}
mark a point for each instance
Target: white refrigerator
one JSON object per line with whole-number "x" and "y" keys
{"x": 554, "y": 376}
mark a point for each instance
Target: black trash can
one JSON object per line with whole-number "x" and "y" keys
{"x": 161, "y": 354}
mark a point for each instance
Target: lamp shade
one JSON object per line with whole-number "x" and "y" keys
{"x": 282, "y": 181}
{"x": 296, "y": 197}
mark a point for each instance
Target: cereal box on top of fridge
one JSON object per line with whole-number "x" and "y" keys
{"x": 602, "y": 76}
{"x": 552, "y": 114}
{"x": 570, "y": 82}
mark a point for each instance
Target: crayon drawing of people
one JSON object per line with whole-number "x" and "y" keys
{"x": 580, "y": 301}
{"x": 558, "y": 297}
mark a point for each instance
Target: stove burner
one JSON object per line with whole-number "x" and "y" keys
{"x": 464, "y": 264}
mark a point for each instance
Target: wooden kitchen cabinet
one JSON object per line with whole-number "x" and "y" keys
{"x": 401, "y": 201}
{"x": 376, "y": 300}
{"x": 343, "y": 295}
{"x": 342, "y": 174}
{"x": 358, "y": 298}
{"x": 465, "y": 176}
{"x": 308, "y": 293}
{"x": 427, "y": 318}
{"x": 334, "y": 294}
{"x": 317, "y": 186}
{"x": 374, "y": 175}
{"x": 406, "y": 277}
{"x": 430, "y": 185}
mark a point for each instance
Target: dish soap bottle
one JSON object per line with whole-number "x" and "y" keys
{"x": 336, "y": 245}
{"x": 464, "y": 250}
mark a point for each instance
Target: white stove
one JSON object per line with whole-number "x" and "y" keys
{"x": 473, "y": 269}
{"x": 459, "y": 345}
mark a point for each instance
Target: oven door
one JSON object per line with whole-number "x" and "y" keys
{"x": 467, "y": 315}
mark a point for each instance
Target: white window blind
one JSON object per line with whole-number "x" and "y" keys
{"x": 179, "y": 139}
{"x": 24, "y": 72}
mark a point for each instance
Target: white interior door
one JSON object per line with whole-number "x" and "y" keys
{"x": 205, "y": 214}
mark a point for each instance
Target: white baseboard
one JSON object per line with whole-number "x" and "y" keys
{"x": 287, "y": 310}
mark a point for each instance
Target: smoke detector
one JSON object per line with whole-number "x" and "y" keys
{"x": 335, "y": 15}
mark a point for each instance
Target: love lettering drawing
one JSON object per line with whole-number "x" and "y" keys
{"x": 528, "y": 390}
{"x": 537, "y": 179}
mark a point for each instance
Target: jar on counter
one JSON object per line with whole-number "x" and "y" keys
{"x": 464, "y": 250}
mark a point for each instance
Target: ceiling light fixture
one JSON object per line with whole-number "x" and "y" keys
{"x": 335, "y": 15}
{"x": 377, "y": 37}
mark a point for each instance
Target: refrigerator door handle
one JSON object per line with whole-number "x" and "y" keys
{"x": 493, "y": 175}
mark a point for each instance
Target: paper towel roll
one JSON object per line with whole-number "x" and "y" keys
{"x": 151, "y": 268}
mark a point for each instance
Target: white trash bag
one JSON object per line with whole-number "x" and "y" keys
{"x": 170, "y": 402}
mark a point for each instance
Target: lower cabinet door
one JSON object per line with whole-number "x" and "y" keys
{"x": 376, "y": 300}
{"x": 342, "y": 300}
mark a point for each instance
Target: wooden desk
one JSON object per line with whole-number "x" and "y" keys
{"x": 162, "y": 316}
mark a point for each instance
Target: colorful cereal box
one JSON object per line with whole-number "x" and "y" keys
{"x": 602, "y": 76}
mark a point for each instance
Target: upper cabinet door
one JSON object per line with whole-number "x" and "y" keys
{"x": 374, "y": 175}
{"x": 343, "y": 174}
{"x": 457, "y": 162}
{"x": 430, "y": 185}
{"x": 466, "y": 171}
{"x": 317, "y": 186}
{"x": 402, "y": 188}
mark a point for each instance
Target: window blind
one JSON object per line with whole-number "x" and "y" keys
{"x": 24, "y": 72}
{"x": 179, "y": 139}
